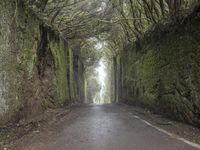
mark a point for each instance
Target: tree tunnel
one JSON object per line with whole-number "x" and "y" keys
{"x": 57, "y": 53}
{"x": 139, "y": 58}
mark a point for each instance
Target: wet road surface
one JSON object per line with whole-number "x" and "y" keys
{"x": 103, "y": 127}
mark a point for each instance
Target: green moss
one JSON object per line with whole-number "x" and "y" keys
{"x": 148, "y": 99}
{"x": 165, "y": 74}
{"x": 71, "y": 75}
{"x": 60, "y": 60}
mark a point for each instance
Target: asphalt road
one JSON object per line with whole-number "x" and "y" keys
{"x": 103, "y": 127}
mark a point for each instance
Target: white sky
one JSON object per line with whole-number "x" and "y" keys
{"x": 101, "y": 70}
{"x": 99, "y": 46}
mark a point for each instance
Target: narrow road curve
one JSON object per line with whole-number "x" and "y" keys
{"x": 103, "y": 127}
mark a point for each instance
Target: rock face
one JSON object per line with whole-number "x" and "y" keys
{"x": 162, "y": 71}
{"x": 37, "y": 67}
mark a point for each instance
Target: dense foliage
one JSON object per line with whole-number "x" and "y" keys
{"x": 117, "y": 20}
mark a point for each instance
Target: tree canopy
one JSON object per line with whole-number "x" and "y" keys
{"x": 114, "y": 21}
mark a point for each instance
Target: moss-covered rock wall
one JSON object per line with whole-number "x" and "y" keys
{"x": 36, "y": 65}
{"x": 79, "y": 79}
{"x": 115, "y": 79}
{"x": 162, "y": 71}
